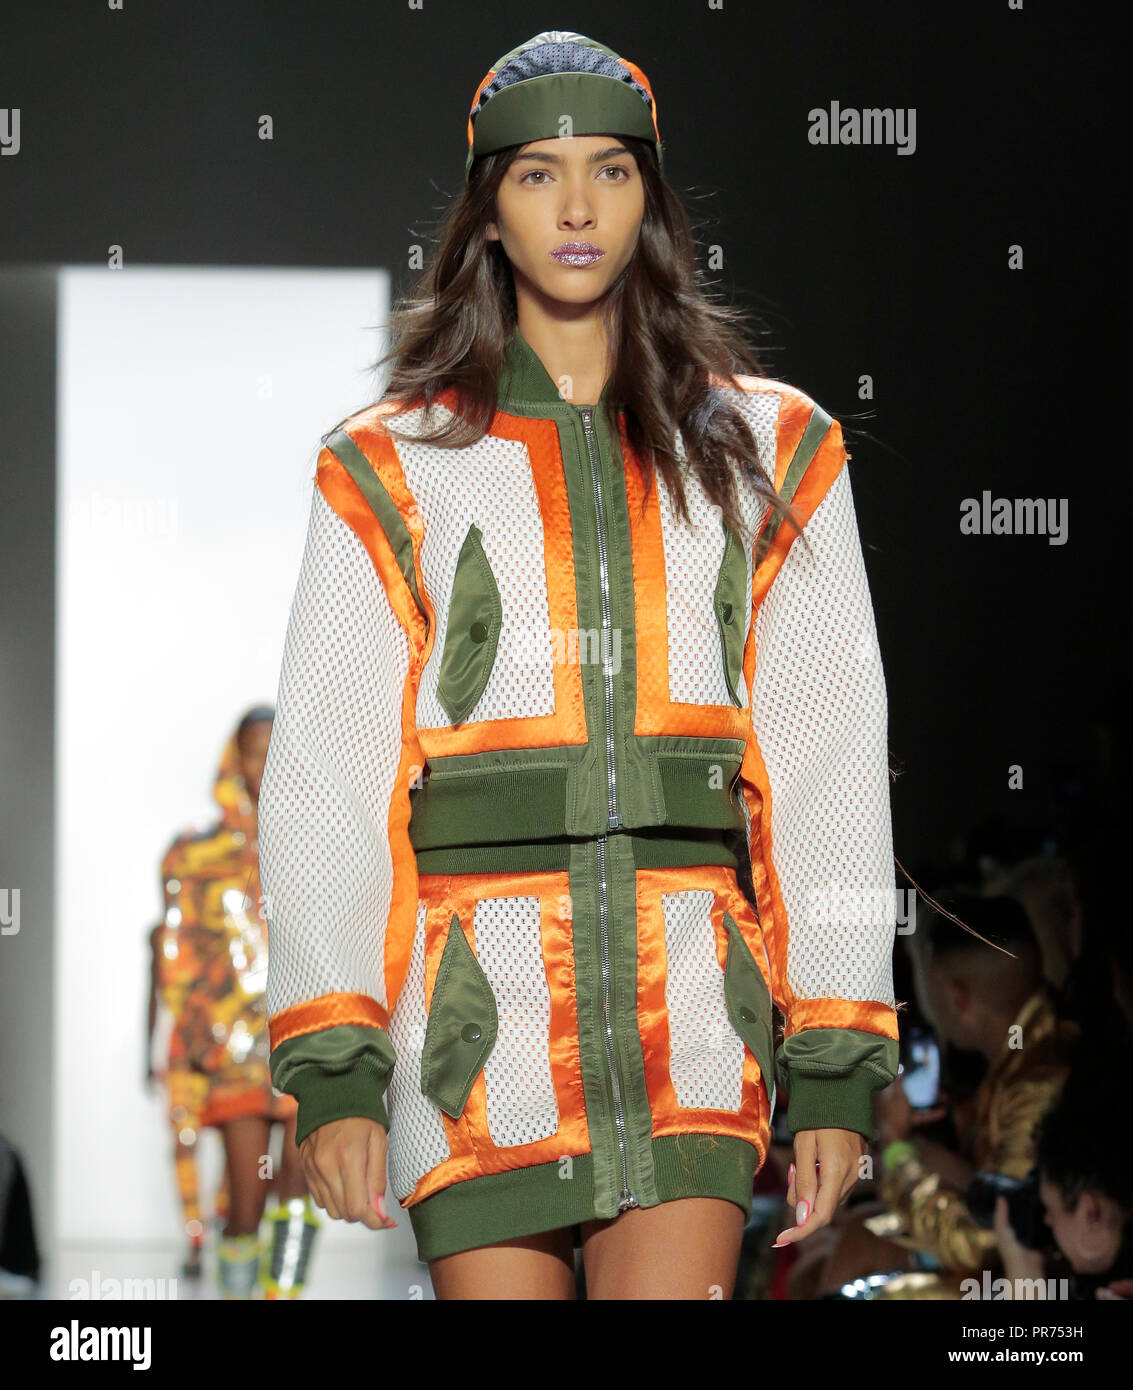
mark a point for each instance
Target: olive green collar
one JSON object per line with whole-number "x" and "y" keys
{"x": 525, "y": 381}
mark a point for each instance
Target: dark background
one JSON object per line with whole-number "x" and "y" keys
{"x": 139, "y": 128}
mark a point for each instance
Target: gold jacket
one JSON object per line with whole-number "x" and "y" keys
{"x": 1021, "y": 1084}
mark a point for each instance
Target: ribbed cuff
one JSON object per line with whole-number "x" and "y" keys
{"x": 324, "y": 1096}
{"x": 832, "y": 1102}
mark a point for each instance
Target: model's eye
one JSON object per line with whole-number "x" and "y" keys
{"x": 532, "y": 171}
{"x": 618, "y": 168}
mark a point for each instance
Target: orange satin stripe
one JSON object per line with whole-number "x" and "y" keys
{"x": 567, "y": 725}
{"x": 557, "y": 928}
{"x": 868, "y": 1015}
{"x": 756, "y": 789}
{"x": 824, "y": 467}
{"x": 652, "y": 1011}
{"x": 343, "y": 494}
{"x": 327, "y": 1011}
{"x": 650, "y": 596}
{"x": 655, "y": 712}
{"x": 345, "y": 497}
{"x": 752, "y": 1121}
{"x": 470, "y": 1144}
{"x": 401, "y": 925}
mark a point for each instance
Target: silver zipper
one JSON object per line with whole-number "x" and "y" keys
{"x": 614, "y": 818}
{"x": 626, "y": 1198}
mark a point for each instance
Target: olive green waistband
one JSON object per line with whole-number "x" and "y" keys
{"x": 478, "y": 803}
{"x": 657, "y": 848}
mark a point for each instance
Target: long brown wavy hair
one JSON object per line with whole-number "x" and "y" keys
{"x": 667, "y": 339}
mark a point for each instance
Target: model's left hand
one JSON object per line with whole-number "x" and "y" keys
{"x": 824, "y": 1171}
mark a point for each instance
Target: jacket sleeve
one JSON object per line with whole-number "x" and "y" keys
{"x": 336, "y": 866}
{"x": 816, "y": 787}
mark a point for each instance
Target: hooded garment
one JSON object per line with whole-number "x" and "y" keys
{"x": 213, "y": 965}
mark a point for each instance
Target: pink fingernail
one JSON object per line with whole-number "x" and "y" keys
{"x": 802, "y": 1211}
{"x": 779, "y": 1244}
{"x": 790, "y": 1175}
{"x": 380, "y": 1203}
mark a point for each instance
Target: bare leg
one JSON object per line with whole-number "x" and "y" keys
{"x": 687, "y": 1249}
{"x": 531, "y": 1267}
{"x": 245, "y": 1139}
{"x": 289, "y": 1181}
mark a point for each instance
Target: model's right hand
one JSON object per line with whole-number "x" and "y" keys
{"x": 344, "y": 1162}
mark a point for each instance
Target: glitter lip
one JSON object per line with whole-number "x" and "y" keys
{"x": 581, "y": 253}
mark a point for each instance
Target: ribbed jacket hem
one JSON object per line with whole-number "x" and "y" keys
{"x": 525, "y": 1201}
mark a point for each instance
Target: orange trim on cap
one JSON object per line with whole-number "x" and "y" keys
{"x": 327, "y": 1011}
{"x": 475, "y": 100}
{"x": 636, "y": 72}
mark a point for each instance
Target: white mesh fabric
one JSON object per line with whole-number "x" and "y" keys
{"x": 706, "y": 1058}
{"x": 517, "y": 1076}
{"x": 819, "y": 713}
{"x": 693, "y": 554}
{"x": 490, "y": 483}
{"x": 331, "y": 768}
{"x": 417, "y": 1139}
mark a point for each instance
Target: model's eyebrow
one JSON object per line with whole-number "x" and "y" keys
{"x": 547, "y": 158}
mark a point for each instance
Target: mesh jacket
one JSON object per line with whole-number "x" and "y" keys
{"x": 560, "y": 796}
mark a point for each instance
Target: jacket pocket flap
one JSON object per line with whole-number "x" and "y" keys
{"x": 475, "y": 616}
{"x": 728, "y": 602}
{"x": 462, "y": 1025}
{"x": 749, "y": 1001}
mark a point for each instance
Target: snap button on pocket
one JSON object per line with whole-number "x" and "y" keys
{"x": 749, "y": 1001}
{"x": 462, "y": 1025}
{"x": 470, "y": 642}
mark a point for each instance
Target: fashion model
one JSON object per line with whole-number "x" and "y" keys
{"x": 580, "y": 753}
{"x": 210, "y": 972}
